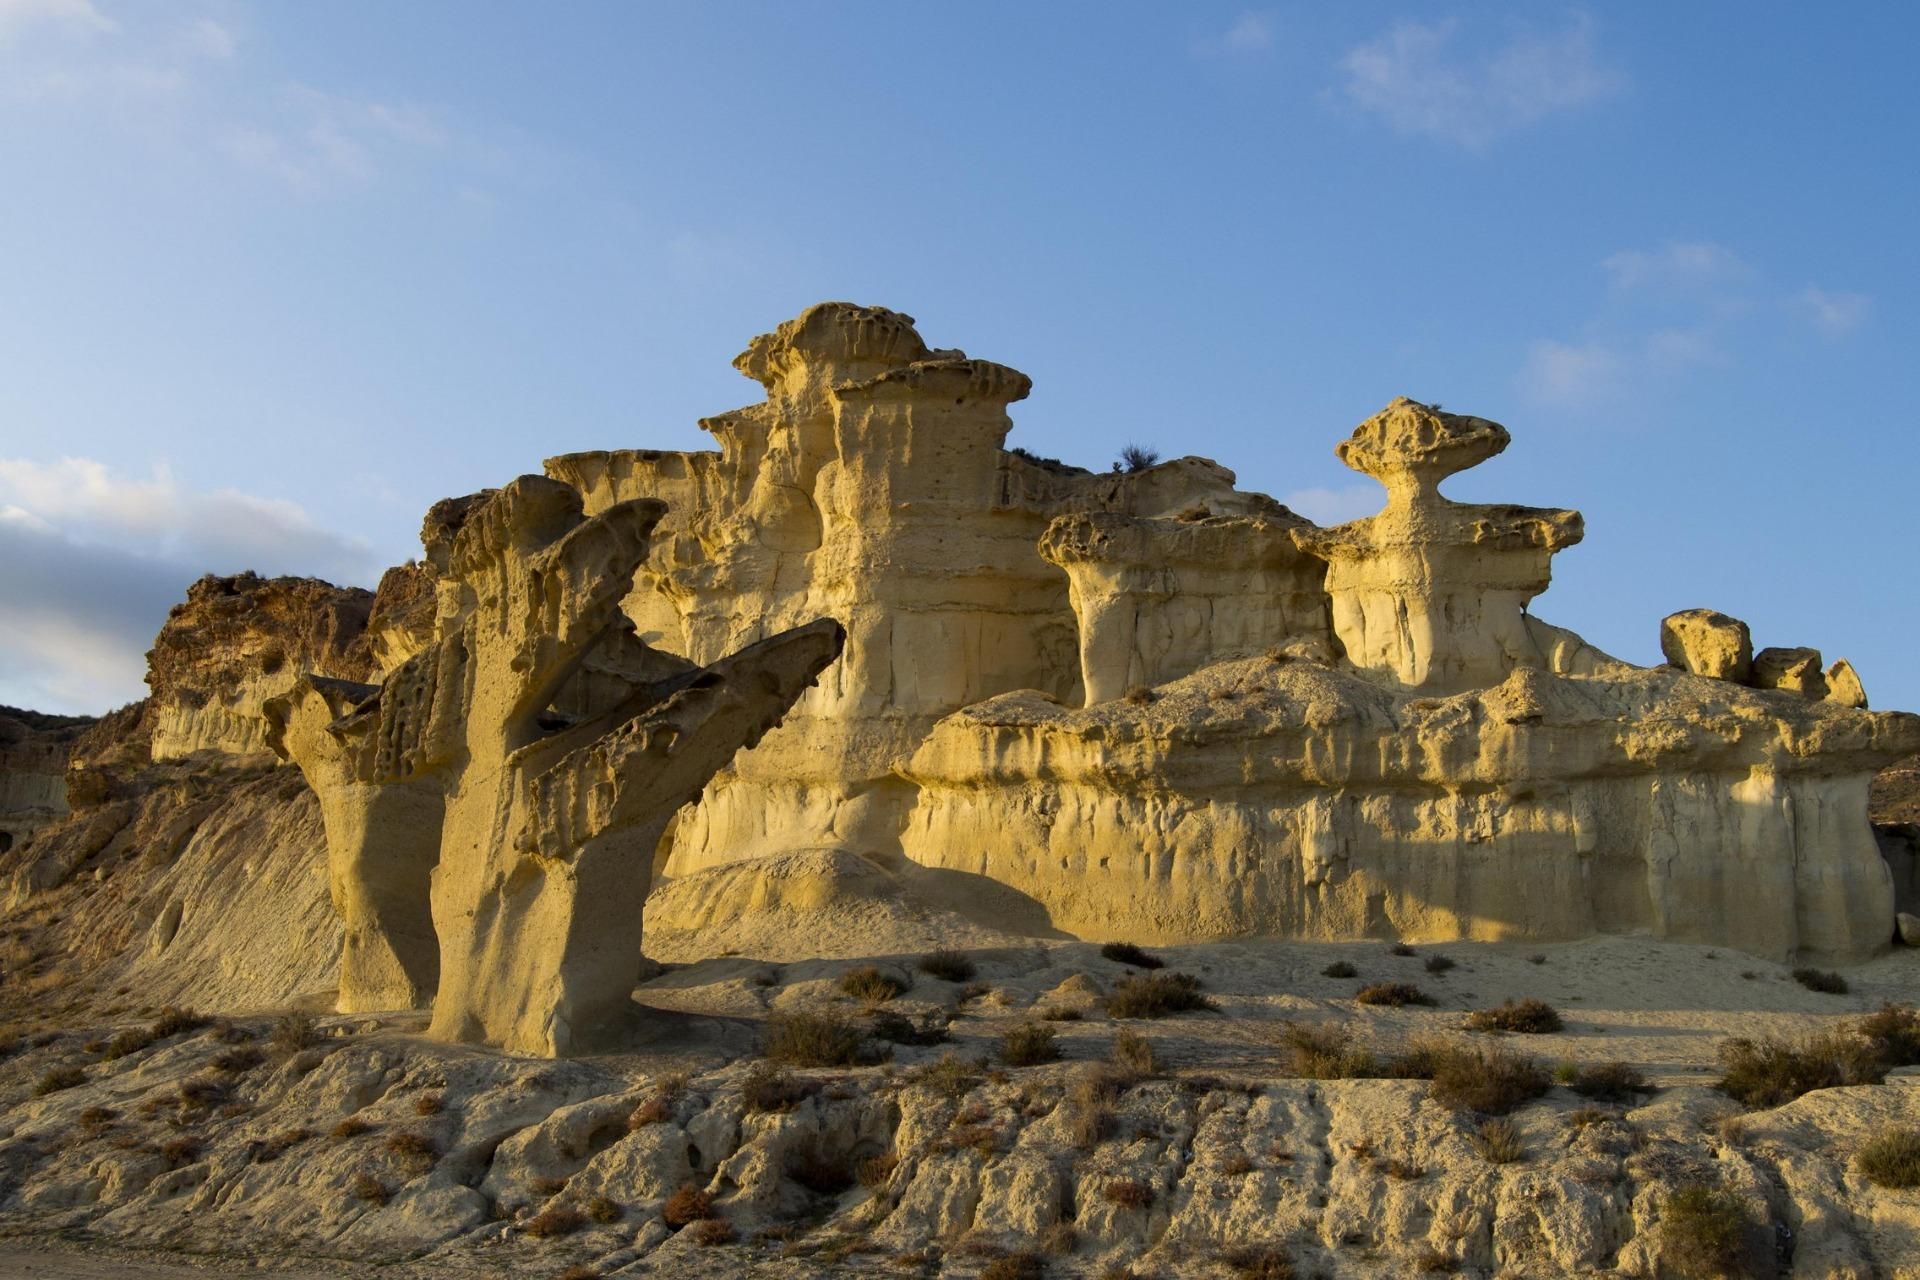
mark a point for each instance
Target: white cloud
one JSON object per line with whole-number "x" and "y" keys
{"x": 1251, "y": 32}
{"x": 325, "y": 141}
{"x": 1677, "y": 267}
{"x": 1419, "y": 84}
{"x": 1835, "y": 314}
{"x": 90, "y": 562}
{"x": 79, "y": 16}
{"x": 1336, "y": 506}
{"x": 1566, "y": 373}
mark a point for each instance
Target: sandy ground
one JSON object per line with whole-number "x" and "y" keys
{"x": 52, "y": 1263}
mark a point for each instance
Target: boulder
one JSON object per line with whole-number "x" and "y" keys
{"x": 1797, "y": 670}
{"x": 1844, "y": 687}
{"x": 1706, "y": 642}
{"x": 1909, "y": 928}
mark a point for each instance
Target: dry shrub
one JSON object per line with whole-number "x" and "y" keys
{"x": 57, "y": 1079}
{"x": 1893, "y": 1034}
{"x": 709, "y": 1232}
{"x": 1133, "y": 1053}
{"x": 768, "y": 1088}
{"x": 1438, "y": 964}
{"x": 1059, "y": 1013}
{"x": 1609, "y": 1082}
{"x": 1139, "y": 695}
{"x": 1258, "y": 1262}
{"x": 1892, "y": 1159}
{"x": 1400, "y": 949}
{"x": 1393, "y": 995}
{"x": 948, "y": 965}
{"x": 555, "y": 1220}
{"x": 813, "y": 1040}
{"x": 1325, "y": 1053}
{"x": 952, "y": 1076}
{"x": 1127, "y": 953}
{"x": 1490, "y": 1080}
{"x": 1060, "y": 1239}
{"x": 97, "y": 1117}
{"x": 429, "y": 1104}
{"x": 688, "y": 1204}
{"x": 1430, "y": 1261}
{"x": 897, "y": 1028}
{"x": 1028, "y": 1044}
{"x": 414, "y": 1150}
{"x": 281, "y": 1143}
{"x": 180, "y": 1149}
{"x": 369, "y": 1188}
{"x": 1236, "y": 1166}
{"x": 604, "y": 1211}
{"x": 293, "y": 1032}
{"x": 1702, "y": 1231}
{"x": 1128, "y": 1193}
{"x": 1821, "y": 980}
{"x": 125, "y": 1044}
{"x": 655, "y": 1110}
{"x": 238, "y": 1061}
{"x": 1773, "y": 1070}
{"x": 1090, "y": 1114}
{"x": 1156, "y": 995}
{"x": 1024, "y": 1265}
{"x": 1498, "y": 1142}
{"x": 580, "y": 1271}
{"x": 871, "y": 984}
{"x": 352, "y": 1127}
{"x": 876, "y": 1171}
{"x": 1527, "y": 1017}
{"x": 1340, "y": 969}
{"x": 173, "y": 1021}
{"x": 1582, "y": 1117}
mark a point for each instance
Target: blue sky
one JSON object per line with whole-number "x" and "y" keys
{"x": 274, "y": 277}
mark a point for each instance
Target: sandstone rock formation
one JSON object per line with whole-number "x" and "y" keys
{"x": 34, "y": 751}
{"x": 528, "y": 782}
{"x": 1706, "y": 642}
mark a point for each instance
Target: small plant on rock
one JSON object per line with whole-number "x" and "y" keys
{"x": 415, "y": 1151}
{"x": 952, "y": 1076}
{"x": 768, "y": 1088}
{"x": 687, "y": 1205}
{"x": 238, "y": 1060}
{"x": 948, "y": 965}
{"x": 1892, "y": 1159}
{"x": 1526, "y": 1017}
{"x": 1029, "y": 1044}
{"x": 292, "y": 1033}
{"x": 1492, "y": 1081}
{"x": 604, "y": 1211}
{"x": 352, "y": 1127}
{"x": 1498, "y": 1141}
{"x": 555, "y": 1220}
{"x": 1769, "y": 1071}
{"x": 1127, "y": 953}
{"x": 813, "y": 1040}
{"x": 711, "y": 1232}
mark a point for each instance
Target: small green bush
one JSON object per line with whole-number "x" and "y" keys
{"x": 1528, "y": 1017}
{"x": 1127, "y": 953}
{"x": 1392, "y": 995}
{"x": 1028, "y": 1044}
{"x": 1491, "y": 1080}
{"x": 1325, "y": 1052}
{"x": 1771, "y": 1070}
{"x": 1498, "y": 1142}
{"x": 948, "y": 965}
{"x": 813, "y": 1040}
{"x": 952, "y": 1076}
{"x": 1892, "y": 1159}
{"x": 57, "y": 1079}
{"x": 1156, "y": 995}
{"x": 1608, "y": 1082}
{"x": 871, "y": 984}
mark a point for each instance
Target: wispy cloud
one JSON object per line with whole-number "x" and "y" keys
{"x": 1567, "y": 373}
{"x": 67, "y": 16}
{"x": 1676, "y": 267}
{"x": 321, "y": 141}
{"x": 1835, "y": 314}
{"x": 1251, "y": 32}
{"x": 91, "y": 560}
{"x": 1420, "y": 83}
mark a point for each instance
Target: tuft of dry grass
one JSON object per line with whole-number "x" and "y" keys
{"x": 238, "y": 1060}
{"x": 1609, "y": 1082}
{"x": 370, "y": 1189}
{"x": 1821, "y": 980}
{"x": 1139, "y": 695}
{"x": 875, "y": 1172}
{"x": 1893, "y": 1034}
{"x": 1258, "y": 1262}
{"x": 1525, "y": 1017}
{"x": 948, "y": 965}
{"x": 1392, "y": 995}
{"x": 1892, "y": 1159}
{"x": 57, "y": 1079}
{"x": 1133, "y": 1053}
{"x": 871, "y": 984}
{"x": 416, "y": 1151}
{"x": 352, "y": 1127}
{"x": 1701, "y": 1233}
{"x": 768, "y": 1088}
{"x": 293, "y": 1032}
{"x": 687, "y": 1205}
{"x": 1430, "y": 1261}
{"x": 1128, "y": 1193}
{"x": 813, "y": 1040}
{"x": 1156, "y": 995}
{"x": 1340, "y": 969}
{"x": 555, "y": 1221}
{"x": 429, "y": 1104}
{"x": 952, "y": 1076}
{"x": 1022, "y": 1265}
{"x": 281, "y": 1143}
{"x": 1127, "y": 953}
{"x": 1492, "y": 1080}
{"x": 1439, "y": 964}
{"x": 1773, "y": 1070}
{"x": 604, "y": 1211}
{"x": 1498, "y": 1141}
{"x": 179, "y": 1150}
{"x": 1028, "y": 1044}
{"x": 1325, "y": 1052}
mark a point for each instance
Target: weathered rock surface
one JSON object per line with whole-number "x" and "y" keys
{"x": 34, "y": 751}
{"x": 1795, "y": 670}
{"x": 1706, "y": 642}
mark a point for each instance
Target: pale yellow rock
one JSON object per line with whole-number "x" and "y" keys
{"x": 1705, "y": 642}
{"x": 1844, "y": 687}
{"x": 1795, "y": 670}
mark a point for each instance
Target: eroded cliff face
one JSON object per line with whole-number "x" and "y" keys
{"x": 34, "y": 750}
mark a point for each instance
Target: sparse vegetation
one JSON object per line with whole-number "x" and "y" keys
{"x": 875, "y": 1172}
{"x": 604, "y": 1211}
{"x": 1028, "y": 1044}
{"x": 948, "y": 965}
{"x": 710, "y": 1232}
{"x": 952, "y": 1076}
{"x": 1608, "y": 1082}
{"x": 1700, "y": 1233}
{"x": 1892, "y": 1159}
{"x": 429, "y": 1104}
{"x": 1156, "y": 995}
{"x": 57, "y": 1079}
{"x": 352, "y": 1127}
{"x": 181, "y": 1149}
{"x": 1821, "y": 980}
{"x": 1127, "y": 953}
{"x": 1498, "y": 1141}
{"x": 1430, "y": 1261}
{"x": 768, "y": 1088}
{"x": 416, "y": 1151}
{"x": 1581, "y": 1117}
{"x": 281, "y": 1143}
{"x": 871, "y": 984}
{"x": 293, "y": 1032}
{"x": 555, "y": 1220}
{"x": 1133, "y": 1053}
{"x": 1128, "y": 1193}
{"x": 897, "y": 1028}
{"x": 369, "y": 1188}
{"x": 1258, "y": 1262}
{"x": 1893, "y": 1034}
{"x": 687, "y": 1205}
{"x": 238, "y": 1060}
{"x": 1325, "y": 1052}
{"x": 1392, "y": 995}
{"x": 173, "y": 1021}
{"x": 1060, "y": 1013}
{"x": 1340, "y": 969}
{"x": 1527, "y": 1017}
{"x": 806, "y": 1039}
{"x": 1772, "y": 1070}
{"x": 1491, "y": 1080}
{"x": 1139, "y": 695}
{"x": 1400, "y": 949}
{"x": 1438, "y": 964}
{"x": 1022, "y": 1265}
{"x": 1136, "y": 457}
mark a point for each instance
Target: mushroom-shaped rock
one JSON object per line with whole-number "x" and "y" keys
{"x": 1431, "y": 594}
{"x": 1796, "y": 670}
{"x": 1706, "y": 642}
{"x": 1844, "y": 687}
